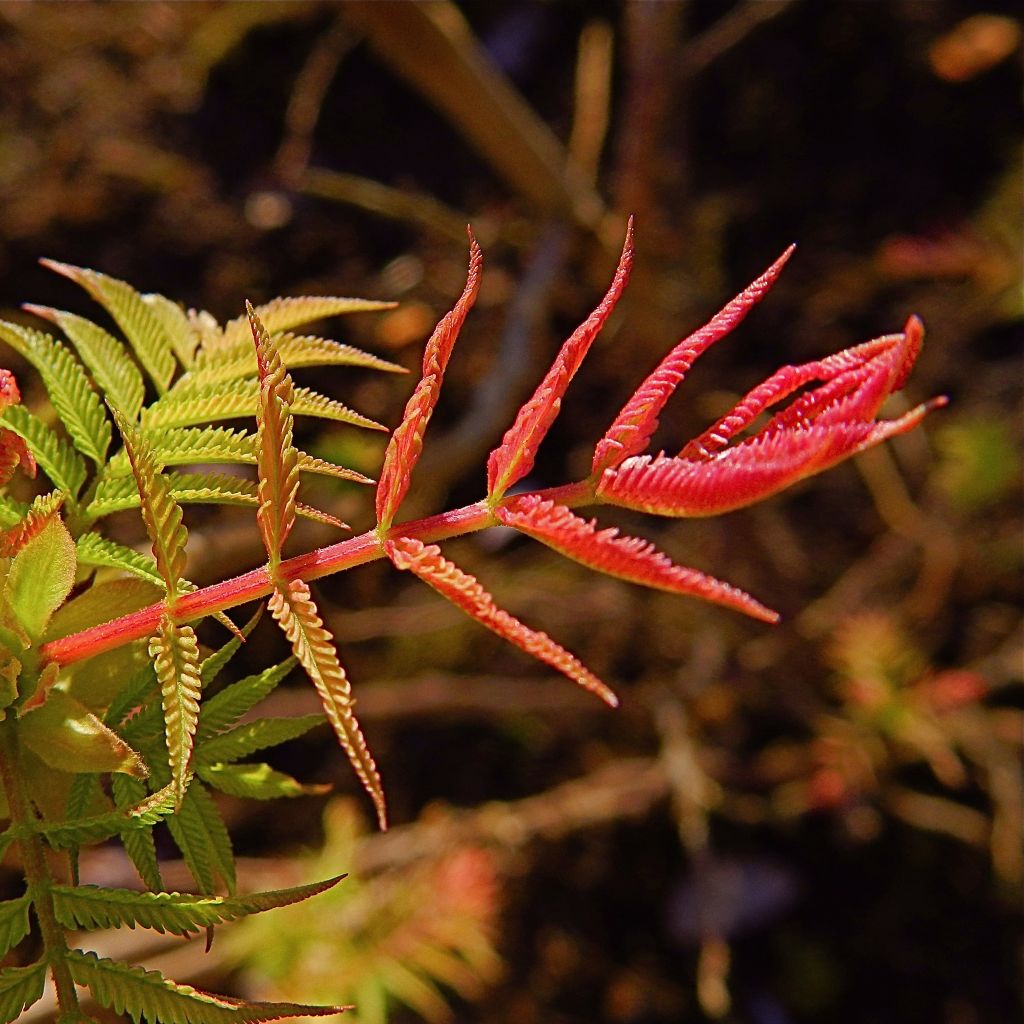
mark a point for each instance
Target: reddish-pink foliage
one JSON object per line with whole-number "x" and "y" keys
{"x": 407, "y": 441}
{"x": 514, "y": 457}
{"x": 13, "y": 450}
{"x": 628, "y": 558}
{"x": 464, "y": 590}
{"x": 633, "y": 428}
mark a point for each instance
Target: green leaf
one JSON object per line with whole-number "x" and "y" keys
{"x": 256, "y": 782}
{"x": 96, "y": 550}
{"x": 222, "y": 710}
{"x": 141, "y": 325}
{"x": 98, "y": 827}
{"x": 237, "y": 360}
{"x": 200, "y": 834}
{"x": 285, "y": 313}
{"x": 214, "y": 663}
{"x": 20, "y": 987}
{"x": 118, "y": 494}
{"x": 180, "y": 331}
{"x": 252, "y": 736}
{"x": 175, "y": 653}
{"x": 60, "y": 462}
{"x": 11, "y": 511}
{"x": 67, "y": 736}
{"x": 138, "y": 843}
{"x": 106, "y": 358}
{"x": 77, "y": 405}
{"x": 160, "y": 511}
{"x": 89, "y": 907}
{"x": 149, "y": 995}
{"x": 214, "y": 402}
{"x": 13, "y": 922}
{"x": 41, "y": 576}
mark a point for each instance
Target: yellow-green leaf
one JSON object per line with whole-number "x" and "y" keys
{"x": 41, "y": 576}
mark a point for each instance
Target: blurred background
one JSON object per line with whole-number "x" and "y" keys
{"x": 819, "y": 821}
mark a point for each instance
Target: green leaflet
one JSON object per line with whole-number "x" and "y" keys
{"x": 175, "y": 653}
{"x": 138, "y": 843}
{"x": 212, "y": 665}
{"x": 160, "y": 512}
{"x": 141, "y": 325}
{"x": 204, "y": 842}
{"x": 11, "y": 511}
{"x": 285, "y": 313}
{"x": 13, "y": 922}
{"x": 213, "y": 402}
{"x": 41, "y": 576}
{"x": 238, "y": 360}
{"x": 97, "y": 827}
{"x": 89, "y": 907}
{"x": 252, "y": 736}
{"x": 59, "y": 460}
{"x": 182, "y": 446}
{"x": 96, "y": 550}
{"x": 222, "y": 710}
{"x": 20, "y": 987}
{"x": 149, "y": 995}
{"x": 77, "y": 405}
{"x": 179, "y": 330}
{"x": 256, "y": 782}
{"x": 118, "y": 494}
{"x": 106, "y": 358}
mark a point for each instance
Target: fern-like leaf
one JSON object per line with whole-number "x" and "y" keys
{"x": 148, "y": 995}
{"x": 13, "y": 538}
{"x": 97, "y": 827}
{"x": 91, "y": 906}
{"x": 514, "y": 457}
{"x": 294, "y": 610}
{"x": 638, "y": 419}
{"x": 202, "y": 837}
{"x": 119, "y": 493}
{"x": 106, "y": 358}
{"x": 13, "y": 922}
{"x": 406, "y": 442}
{"x": 175, "y": 653}
{"x": 628, "y": 558}
{"x": 465, "y": 591}
{"x": 246, "y": 739}
{"x": 59, "y": 460}
{"x": 213, "y": 402}
{"x": 285, "y": 313}
{"x": 69, "y": 389}
{"x": 214, "y": 663}
{"x": 94, "y": 550}
{"x": 182, "y": 334}
{"x": 277, "y": 460}
{"x": 20, "y": 987}
{"x": 142, "y": 326}
{"x": 138, "y": 843}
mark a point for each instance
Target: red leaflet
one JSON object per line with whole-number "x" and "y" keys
{"x": 628, "y": 558}
{"x": 514, "y": 457}
{"x": 638, "y": 419}
{"x": 407, "y": 441}
{"x": 464, "y": 590}
{"x": 13, "y": 450}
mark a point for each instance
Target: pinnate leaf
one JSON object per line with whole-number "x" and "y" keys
{"x": 148, "y": 995}
{"x": 294, "y": 610}
{"x": 514, "y": 457}
{"x": 175, "y": 653}
{"x": 249, "y": 737}
{"x": 285, "y": 313}
{"x": 13, "y": 922}
{"x": 406, "y": 442}
{"x": 223, "y": 709}
{"x": 636, "y": 422}
{"x": 628, "y": 558}
{"x": 59, "y": 460}
{"x": 97, "y": 827}
{"x": 465, "y": 591}
{"x": 138, "y": 843}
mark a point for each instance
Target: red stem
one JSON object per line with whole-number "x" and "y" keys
{"x": 256, "y": 583}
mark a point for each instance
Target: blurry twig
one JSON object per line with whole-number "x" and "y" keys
{"x": 432, "y": 47}
{"x": 307, "y": 98}
{"x": 727, "y": 32}
{"x": 591, "y": 111}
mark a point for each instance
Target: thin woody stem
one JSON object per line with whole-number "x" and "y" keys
{"x": 313, "y": 565}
